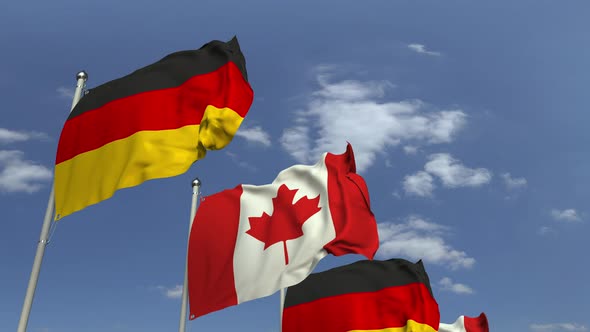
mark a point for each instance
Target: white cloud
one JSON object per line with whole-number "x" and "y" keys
{"x": 543, "y": 230}
{"x": 351, "y": 111}
{"x": 13, "y": 136}
{"x": 558, "y": 327}
{"x": 453, "y": 174}
{"x": 419, "y": 239}
{"x": 448, "y": 285}
{"x": 566, "y": 215}
{"x": 513, "y": 183}
{"x": 450, "y": 171}
{"x": 419, "y": 48}
{"x": 66, "y": 93}
{"x": 254, "y": 134}
{"x": 419, "y": 184}
{"x": 171, "y": 293}
{"x": 350, "y": 90}
{"x": 418, "y": 223}
{"x": 19, "y": 175}
{"x": 296, "y": 141}
{"x": 234, "y": 157}
{"x": 408, "y": 149}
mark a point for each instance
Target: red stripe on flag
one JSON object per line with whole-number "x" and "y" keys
{"x": 348, "y": 195}
{"x": 170, "y": 108}
{"x": 210, "y": 286}
{"x": 387, "y": 308}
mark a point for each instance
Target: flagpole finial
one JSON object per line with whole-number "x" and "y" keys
{"x": 196, "y": 182}
{"x": 82, "y": 75}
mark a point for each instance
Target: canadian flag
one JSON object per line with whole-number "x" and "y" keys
{"x": 466, "y": 324}
{"x": 251, "y": 241}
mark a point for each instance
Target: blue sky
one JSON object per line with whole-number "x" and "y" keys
{"x": 469, "y": 122}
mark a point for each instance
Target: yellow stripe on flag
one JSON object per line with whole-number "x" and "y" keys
{"x": 411, "y": 326}
{"x": 94, "y": 176}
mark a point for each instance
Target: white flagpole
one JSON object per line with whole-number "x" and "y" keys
{"x": 282, "y": 307}
{"x": 24, "y": 317}
{"x": 196, "y": 188}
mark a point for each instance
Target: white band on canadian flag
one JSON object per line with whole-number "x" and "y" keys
{"x": 303, "y": 252}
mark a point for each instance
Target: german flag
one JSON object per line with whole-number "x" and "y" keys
{"x": 366, "y": 296}
{"x": 153, "y": 123}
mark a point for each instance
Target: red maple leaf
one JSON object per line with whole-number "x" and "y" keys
{"x": 286, "y": 220}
